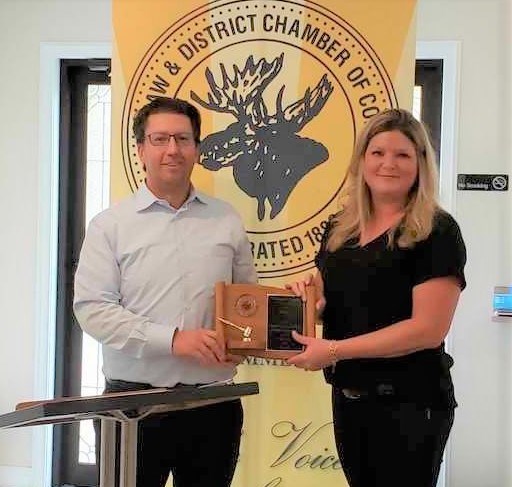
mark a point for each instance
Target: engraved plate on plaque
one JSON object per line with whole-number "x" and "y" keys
{"x": 285, "y": 314}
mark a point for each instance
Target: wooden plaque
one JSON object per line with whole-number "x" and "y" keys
{"x": 257, "y": 320}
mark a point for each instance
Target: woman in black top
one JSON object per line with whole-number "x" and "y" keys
{"x": 390, "y": 271}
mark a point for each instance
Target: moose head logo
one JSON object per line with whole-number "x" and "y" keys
{"x": 268, "y": 156}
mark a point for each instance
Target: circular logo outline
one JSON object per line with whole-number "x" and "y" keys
{"x": 271, "y": 269}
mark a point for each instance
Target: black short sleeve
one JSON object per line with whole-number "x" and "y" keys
{"x": 442, "y": 254}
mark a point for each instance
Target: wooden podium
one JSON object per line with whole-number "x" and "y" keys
{"x": 127, "y": 408}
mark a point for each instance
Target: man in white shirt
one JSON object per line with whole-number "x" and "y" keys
{"x": 144, "y": 289}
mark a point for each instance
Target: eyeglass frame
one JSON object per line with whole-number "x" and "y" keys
{"x": 179, "y": 143}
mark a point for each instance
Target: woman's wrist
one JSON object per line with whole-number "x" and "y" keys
{"x": 333, "y": 352}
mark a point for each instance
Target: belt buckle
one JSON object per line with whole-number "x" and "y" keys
{"x": 351, "y": 393}
{"x": 385, "y": 390}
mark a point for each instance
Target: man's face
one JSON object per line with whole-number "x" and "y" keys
{"x": 168, "y": 161}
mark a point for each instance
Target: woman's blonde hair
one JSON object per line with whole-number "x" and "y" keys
{"x": 355, "y": 198}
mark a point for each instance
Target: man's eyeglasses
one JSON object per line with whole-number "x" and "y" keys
{"x": 161, "y": 139}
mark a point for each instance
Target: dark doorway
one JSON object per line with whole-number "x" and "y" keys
{"x": 78, "y": 79}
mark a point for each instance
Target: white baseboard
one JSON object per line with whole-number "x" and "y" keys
{"x": 15, "y": 477}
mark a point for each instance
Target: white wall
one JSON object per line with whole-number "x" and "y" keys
{"x": 24, "y": 25}
{"x": 480, "y": 446}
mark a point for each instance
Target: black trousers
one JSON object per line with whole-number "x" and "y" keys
{"x": 199, "y": 446}
{"x": 384, "y": 442}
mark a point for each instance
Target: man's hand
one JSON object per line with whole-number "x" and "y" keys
{"x": 232, "y": 359}
{"x": 201, "y": 345}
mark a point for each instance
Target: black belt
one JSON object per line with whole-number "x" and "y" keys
{"x": 379, "y": 390}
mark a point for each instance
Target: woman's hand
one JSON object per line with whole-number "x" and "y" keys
{"x": 317, "y": 354}
{"x": 299, "y": 289}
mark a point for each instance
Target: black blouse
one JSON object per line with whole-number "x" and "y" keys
{"x": 370, "y": 287}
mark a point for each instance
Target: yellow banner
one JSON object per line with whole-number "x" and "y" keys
{"x": 283, "y": 86}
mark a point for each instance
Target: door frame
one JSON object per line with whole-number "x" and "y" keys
{"x": 51, "y": 54}
{"x": 449, "y": 53}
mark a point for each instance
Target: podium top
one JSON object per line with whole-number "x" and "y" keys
{"x": 70, "y": 409}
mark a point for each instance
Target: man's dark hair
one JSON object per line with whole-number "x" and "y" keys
{"x": 166, "y": 105}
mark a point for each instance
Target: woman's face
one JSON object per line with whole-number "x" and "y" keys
{"x": 390, "y": 166}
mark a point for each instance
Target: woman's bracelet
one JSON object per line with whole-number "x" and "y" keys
{"x": 333, "y": 349}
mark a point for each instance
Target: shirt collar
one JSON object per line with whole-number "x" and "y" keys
{"x": 144, "y": 198}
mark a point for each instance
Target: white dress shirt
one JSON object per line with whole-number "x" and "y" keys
{"x": 146, "y": 270}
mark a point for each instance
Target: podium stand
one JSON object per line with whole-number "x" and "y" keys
{"x": 127, "y": 408}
